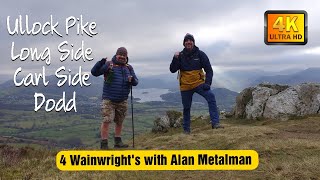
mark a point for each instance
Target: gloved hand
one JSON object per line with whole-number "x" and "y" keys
{"x": 206, "y": 87}
{"x": 103, "y": 60}
{"x": 176, "y": 55}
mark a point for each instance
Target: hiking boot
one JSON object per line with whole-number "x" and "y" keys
{"x": 104, "y": 144}
{"x": 119, "y": 144}
{"x": 186, "y": 132}
{"x": 217, "y": 126}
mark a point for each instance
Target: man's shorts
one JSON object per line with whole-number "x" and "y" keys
{"x": 114, "y": 111}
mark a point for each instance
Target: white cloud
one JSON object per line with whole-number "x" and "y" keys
{"x": 315, "y": 51}
{"x": 230, "y": 32}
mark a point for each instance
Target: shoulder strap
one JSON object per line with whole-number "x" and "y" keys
{"x": 110, "y": 63}
{"x": 130, "y": 68}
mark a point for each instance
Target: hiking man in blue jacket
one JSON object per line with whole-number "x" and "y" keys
{"x": 191, "y": 62}
{"x": 118, "y": 77}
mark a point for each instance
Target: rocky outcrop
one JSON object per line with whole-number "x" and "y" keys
{"x": 241, "y": 102}
{"x": 171, "y": 119}
{"x": 277, "y": 101}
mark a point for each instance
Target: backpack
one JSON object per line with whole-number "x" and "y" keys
{"x": 108, "y": 76}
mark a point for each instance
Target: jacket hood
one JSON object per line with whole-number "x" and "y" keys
{"x": 189, "y": 53}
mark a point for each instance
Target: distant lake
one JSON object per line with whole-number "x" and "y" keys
{"x": 150, "y": 94}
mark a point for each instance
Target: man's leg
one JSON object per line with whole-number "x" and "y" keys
{"x": 108, "y": 114}
{"x": 186, "y": 97}
{"x": 104, "y": 130}
{"x": 120, "y": 115}
{"x": 118, "y": 130}
{"x": 213, "y": 109}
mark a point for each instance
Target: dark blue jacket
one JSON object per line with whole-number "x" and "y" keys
{"x": 192, "y": 61}
{"x": 119, "y": 87}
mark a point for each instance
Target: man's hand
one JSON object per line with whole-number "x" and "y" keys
{"x": 129, "y": 79}
{"x": 104, "y": 60}
{"x": 176, "y": 54}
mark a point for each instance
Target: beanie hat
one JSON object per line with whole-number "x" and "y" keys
{"x": 188, "y": 37}
{"x": 122, "y": 51}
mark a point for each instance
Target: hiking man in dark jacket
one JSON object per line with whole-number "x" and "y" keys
{"x": 191, "y": 61}
{"x": 118, "y": 76}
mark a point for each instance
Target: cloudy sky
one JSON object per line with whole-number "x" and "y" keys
{"x": 230, "y": 32}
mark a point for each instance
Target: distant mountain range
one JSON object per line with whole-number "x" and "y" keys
{"x": 237, "y": 80}
{"x": 308, "y": 75}
{"x": 24, "y": 96}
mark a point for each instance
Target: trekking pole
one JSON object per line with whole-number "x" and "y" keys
{"x": 132, "y": 116}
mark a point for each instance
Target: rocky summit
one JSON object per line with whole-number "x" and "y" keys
{"x": 275, "y": 101}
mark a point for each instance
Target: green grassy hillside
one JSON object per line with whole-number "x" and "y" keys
{"x": 287, "y": 150}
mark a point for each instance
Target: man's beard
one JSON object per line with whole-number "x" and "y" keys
{"x": 121, "y": 61}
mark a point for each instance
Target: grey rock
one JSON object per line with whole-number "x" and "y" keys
{"x": 241, "y": 102}
{"x": 260, "y": 95}
{"x": 309, "y": 95}
{"x": 278, "y": 101}
{"x": 172, "y": 119}
{"x": 282, "y": 105}
{"x": 222, "y": 115}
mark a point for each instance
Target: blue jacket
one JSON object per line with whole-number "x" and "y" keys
{"x": 190, "y": 65}
{"x": 119, "y": 87}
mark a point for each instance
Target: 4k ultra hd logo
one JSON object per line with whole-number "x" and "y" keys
{"x": 285, "y": 27}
